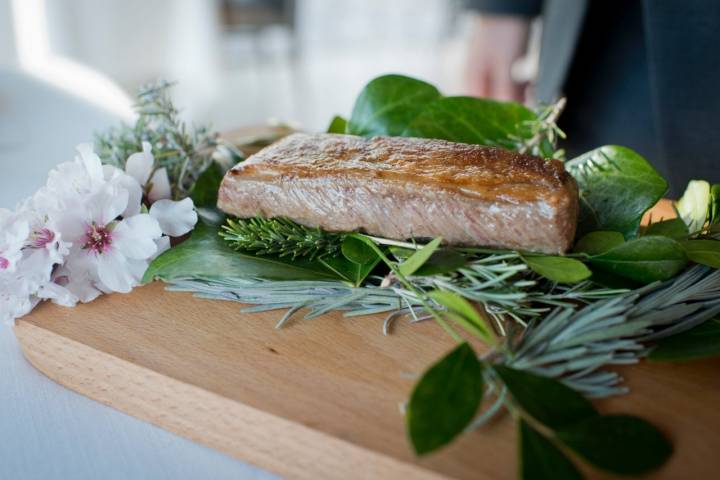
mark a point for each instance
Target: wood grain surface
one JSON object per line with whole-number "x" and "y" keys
{"x": 319, "y": 398}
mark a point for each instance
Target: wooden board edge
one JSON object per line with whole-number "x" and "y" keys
{"x": 251, "y": 435}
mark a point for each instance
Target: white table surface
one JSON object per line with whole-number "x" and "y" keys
{"x": 47, "y": 431}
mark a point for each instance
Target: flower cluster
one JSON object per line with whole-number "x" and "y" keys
{"x": 88, "y": 231}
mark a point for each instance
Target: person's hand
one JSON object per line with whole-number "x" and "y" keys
{"x": 497, "y": 41}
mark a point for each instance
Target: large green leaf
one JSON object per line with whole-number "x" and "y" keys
{"x": 471, "y": 120}
{"x": 702, "y": 341}
{"x": 206, "y": 255}
{"x": 617, "y": 186}
{"x": 387, "y": 105}
{"x": 541, "y": 460}
{"x": 548, "y": 401}
{"x": 595, "y": 243}
{"x": 444, "y": 400}
{"x": 674, "y": 228}
{"x": 704, "y": 252}
{"x": 618, "y": 443}
{"x": 644, "y": 259}
{"x": 557, "y": 269}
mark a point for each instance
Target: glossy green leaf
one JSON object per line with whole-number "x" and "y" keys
{"x": 704, "y": 252}
{"x": 618, "y": 443}
{"x": 445, "y": 400}
{"x": 357, "y": 251}
{"x": 205, "y": 190}
{"x": 558, "y": 269}
{"x": 548, "y": 401}
{"x": 387, "y": 105}
{"x": 702, "y": 341}
{"x": 337, "y": 125}
{"x": 418, "y": 259}
{"x": 471, "y": 120}
{"x": 674, "y": 228}
{"x": 617, "y": 186}
{"x": 541, "y": 460}
{"x": 643, "y": 259}
{"x": 598, "y": 242}
{"x": 464, "y": 313}
{"x": 348, "y": 270}
{"x": 206, "y": 255}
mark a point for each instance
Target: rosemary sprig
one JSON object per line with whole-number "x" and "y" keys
{"x": 280, "y": 236}
{"x": 542, "y": 133}
{"x": 184, "y": 152}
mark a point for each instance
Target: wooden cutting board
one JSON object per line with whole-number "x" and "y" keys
{"x": 319, "y": 398}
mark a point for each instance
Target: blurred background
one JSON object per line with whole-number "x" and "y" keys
{"x": 236, "y": 61}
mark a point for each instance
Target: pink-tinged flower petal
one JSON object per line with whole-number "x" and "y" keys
{"x": 58, "y": 294}
{"x": 135, "y": 237}
{"x": 140, "y": 165}
{"x": 113, "y": 272}
{"x": 79, "y": 274}
{"x": 175, "y": 218}
{"x": 160, "y": 186}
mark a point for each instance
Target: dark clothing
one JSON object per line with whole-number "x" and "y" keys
{"x": 640, "y": 73}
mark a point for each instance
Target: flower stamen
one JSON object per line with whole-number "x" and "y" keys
{"x": 98, "y": 238}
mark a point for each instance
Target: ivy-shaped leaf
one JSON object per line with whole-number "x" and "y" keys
{"x": 337, "y": 125}
{"x": 674, "y": 228}
{"x": 595, "y": 243}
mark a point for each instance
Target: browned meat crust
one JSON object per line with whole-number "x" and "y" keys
{"x": 409, "y": 187}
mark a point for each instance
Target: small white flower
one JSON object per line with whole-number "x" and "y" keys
{"x": 155, "y": 183}
{"x": 107, "y": 254}
{"x": 175, "y": 218}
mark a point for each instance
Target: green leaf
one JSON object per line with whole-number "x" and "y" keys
{"x": 548, "y": 401}
{"x": 444, "y": 400}
{"x": 704, "y": 252}
{"x": 618, "y": 443}
{"x": 674, "y": 228}
{"x": 463, "y": 313}
{"x": 541, "y": 460}
{"x": 558, "y": 269}
{"x": 348, "y": 270}
{"x": 387, "y": 105}
{"x": 702, "y": 341}
{"x": 357, "y": 251}
{"x": 471, "y": 120}
{"x": 206, "y": 255}
{"x": 205, "y": 190}
{"x": 417, "y": 259}
{"x": 337, "y": 125}
{"x": 617, "y": 186}
{"x": 643, "y": 259}
{"x": 595, "y": 243}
